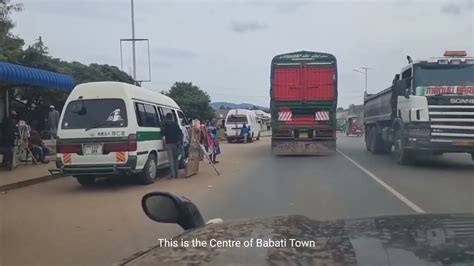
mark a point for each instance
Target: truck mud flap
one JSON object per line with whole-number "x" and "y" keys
{"x": 303, "y": 147}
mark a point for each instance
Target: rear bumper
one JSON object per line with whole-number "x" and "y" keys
{"x": 437, "y": 145}
{"x": 303, "y": 147}
{"x": 235, "y": 137}
{"x": 96, "y": 169}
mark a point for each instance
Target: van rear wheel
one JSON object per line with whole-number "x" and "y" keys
{"x": 148, "y": 175}
{"x": 85, "y": 181}
{"x": 250, "y": 138}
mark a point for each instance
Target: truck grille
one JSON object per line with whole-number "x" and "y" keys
{"x": 452, "y": 121}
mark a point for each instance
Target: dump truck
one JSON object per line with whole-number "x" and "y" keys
{"x": 429, "y": 109}
{"x": 303, "y": 102}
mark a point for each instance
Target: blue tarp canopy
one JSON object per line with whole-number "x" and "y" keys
{"x": 32, "y": 76}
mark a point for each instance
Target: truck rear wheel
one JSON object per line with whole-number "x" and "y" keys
{"x": 368, "y": 136}
{"x": 401, "y": 154}
{"x": 377, "y": 145}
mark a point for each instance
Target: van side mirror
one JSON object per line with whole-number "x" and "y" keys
{"x": 165, "y": 207}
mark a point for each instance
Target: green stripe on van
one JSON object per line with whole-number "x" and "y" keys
{"x": 149, "y": 135}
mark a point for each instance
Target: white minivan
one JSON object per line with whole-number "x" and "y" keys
{"x": 109, "y": 128}
{"x": 234, "y": 121}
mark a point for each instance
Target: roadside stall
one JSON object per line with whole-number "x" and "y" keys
{"x": 11, "y": 77}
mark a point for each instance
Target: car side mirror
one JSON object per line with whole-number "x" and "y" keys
{"x": 165, "y": 207}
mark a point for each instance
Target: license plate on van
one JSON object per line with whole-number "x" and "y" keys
{"x": 91, "y": 149}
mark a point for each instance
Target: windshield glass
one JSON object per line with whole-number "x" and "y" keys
{"x": 237, "y": 119}
{"x": 95, "y": 113}
{"x": 443, "y": 75}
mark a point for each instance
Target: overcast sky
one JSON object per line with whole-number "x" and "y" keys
{"x": 225, "y": 47}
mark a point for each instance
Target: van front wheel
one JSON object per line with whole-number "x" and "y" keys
{"x": 148, "y": 175}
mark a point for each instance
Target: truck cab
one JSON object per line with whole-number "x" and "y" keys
{"x": 428, "y": 109}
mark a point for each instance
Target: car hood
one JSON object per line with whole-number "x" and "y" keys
{"x": 432, "y": 239}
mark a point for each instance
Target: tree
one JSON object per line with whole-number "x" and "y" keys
{"x": 26, "y": 98}
{"x": 222, "y": 107}
{"x": 10, "y": 45}
{"x": 193, "y": 100}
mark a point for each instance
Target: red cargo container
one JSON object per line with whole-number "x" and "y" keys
{"x": 305, "y": 83}
{"x": 303, "y": 103}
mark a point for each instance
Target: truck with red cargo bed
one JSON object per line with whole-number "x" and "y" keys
{"x": 303, "y": 103}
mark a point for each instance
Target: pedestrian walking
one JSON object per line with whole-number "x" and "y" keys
{"x": 215, "y": 150}
{"x": 244, "y": 131}
{"x": 173, "y": 137}
{"x": 53, "y": 121}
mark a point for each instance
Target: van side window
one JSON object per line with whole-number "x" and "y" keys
{"x": 140, "y": 112}
{"x": 165, "y": 111}
{"x": 151, "y": 116}
{"x": 146, "y": 115}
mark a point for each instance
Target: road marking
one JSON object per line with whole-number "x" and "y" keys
{"x": 397, "y": 194}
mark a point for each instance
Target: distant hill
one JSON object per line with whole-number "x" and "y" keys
{"x": 218, "y": 105}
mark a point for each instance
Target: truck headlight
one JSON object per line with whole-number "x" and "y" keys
{"x": 419, "y": 132}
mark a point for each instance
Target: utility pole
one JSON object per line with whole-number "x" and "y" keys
{"x": 365, "y": 74}
{"x": 133, "y": 44}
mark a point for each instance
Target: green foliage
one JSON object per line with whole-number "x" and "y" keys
{"x": 10, "y": 45}
{"x": 31, "y": 101}
{"x": 193, "y": 100}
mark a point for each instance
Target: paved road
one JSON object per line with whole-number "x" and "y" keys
{"x": 62, "y": 223}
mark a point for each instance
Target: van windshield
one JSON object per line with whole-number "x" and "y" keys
{"x": 237, "y": 119}
{"x": 95, "y": 113}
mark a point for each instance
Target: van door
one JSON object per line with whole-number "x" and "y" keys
{"x": 184, "y": 125}
{"x": 149, "y": 136}
{"x": 94, "y": 132}
{"x": 234, "y": 122}
{"x": 163, "y": 153}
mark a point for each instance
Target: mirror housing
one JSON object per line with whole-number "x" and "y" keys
{"x": 165, "y": 207}
{"x": 407, "y": 87}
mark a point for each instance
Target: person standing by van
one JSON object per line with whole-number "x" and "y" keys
{"x": 244, "y": 131}
{"x": 173, "y": 137}
{"x": 53, "y": 121}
